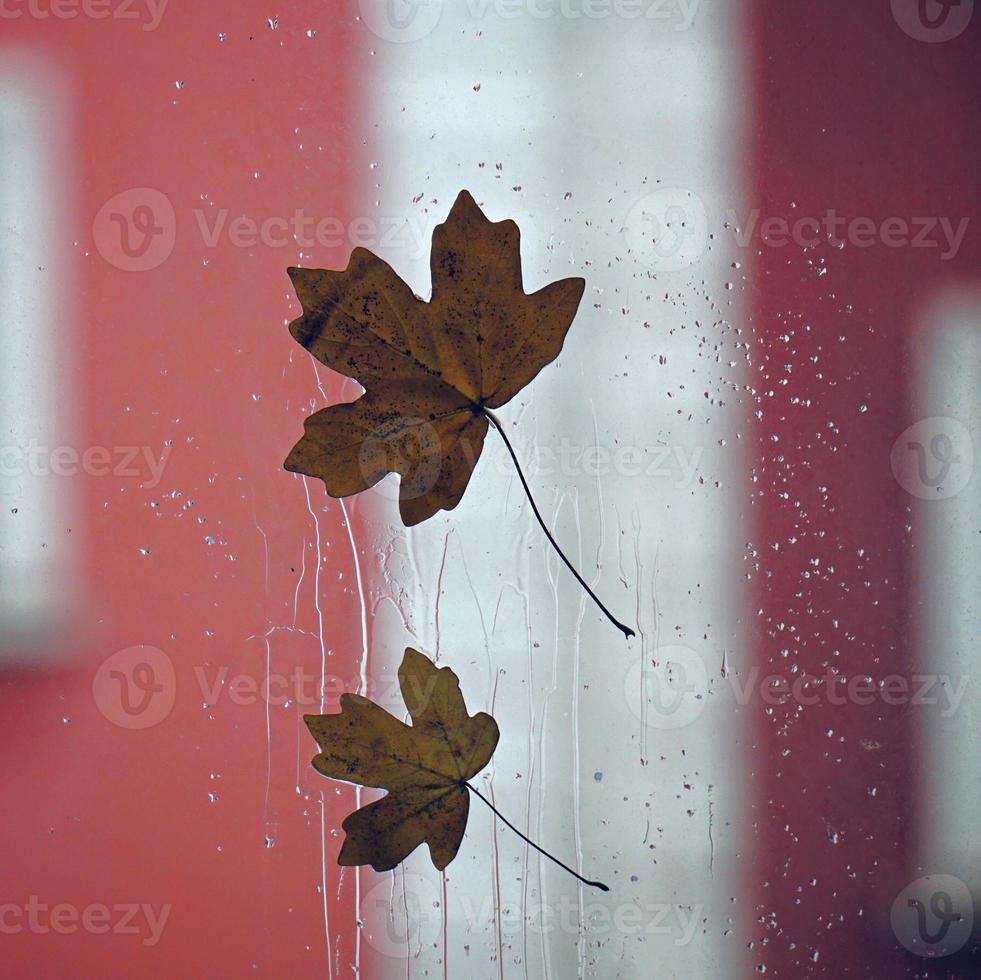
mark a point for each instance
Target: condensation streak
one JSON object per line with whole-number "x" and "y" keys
{"x": 323, "y": 682}
{"x": 362, "y": 689}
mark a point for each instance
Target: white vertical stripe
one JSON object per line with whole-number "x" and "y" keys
{"x": 567, "y": 125}
{"x": 35, "y": 333}
{"x": 948, "y": 376}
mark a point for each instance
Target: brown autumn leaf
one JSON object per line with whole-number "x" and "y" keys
{"x": 424, "y": 766}
{"x": 429, "y": 369}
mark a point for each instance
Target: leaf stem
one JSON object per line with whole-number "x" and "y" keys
{"x": 575, "y": 874}
{"x": 496, "y": 422}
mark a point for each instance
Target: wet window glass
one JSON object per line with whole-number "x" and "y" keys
{"x": 638, "y": 396}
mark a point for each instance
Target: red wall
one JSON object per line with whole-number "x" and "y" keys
{"x": 849, "y": 113}
{"x": 196, "y": 354}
